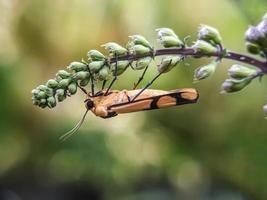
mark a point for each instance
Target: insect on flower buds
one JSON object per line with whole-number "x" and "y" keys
{"x": 240, "y": 72}
{"x": 234, "y": 85}
{"x": 204, "y": 47}
{"x": 205, "y": 71}
{"x": 209, "y": 34}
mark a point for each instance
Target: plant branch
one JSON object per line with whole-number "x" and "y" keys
{"x": 191, "y": 52}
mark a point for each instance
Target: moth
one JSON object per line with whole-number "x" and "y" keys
{"x": 118, "y": 102}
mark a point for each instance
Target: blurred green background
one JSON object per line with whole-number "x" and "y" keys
{"x": 213, "y": 150}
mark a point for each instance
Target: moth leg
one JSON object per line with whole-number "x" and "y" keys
{"x": 149, "y": 84}
{"x": 82, "y": 89}
{"x": 115, "y": 75}
{"x": 103, "y": 84}
{"x": 141, "y": 78}
{"x": 126, "y": 94}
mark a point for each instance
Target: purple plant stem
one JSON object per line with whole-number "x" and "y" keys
{"x": 191, "y": 52}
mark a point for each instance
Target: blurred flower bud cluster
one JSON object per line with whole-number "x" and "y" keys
{"x": 256, "y": 38}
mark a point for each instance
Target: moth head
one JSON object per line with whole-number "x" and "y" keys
{"x": 89, "y": 104}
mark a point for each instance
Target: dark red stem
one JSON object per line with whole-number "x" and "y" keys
{"x": 192, "y": 52}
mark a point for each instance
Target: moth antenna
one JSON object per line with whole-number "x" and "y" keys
{"x": 74, "y": 129}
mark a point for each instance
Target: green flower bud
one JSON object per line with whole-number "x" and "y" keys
{"x": 161, "y": 32}
{"x": 43, "y": 103}
{"x": 41, "y": 95}
{"x": 104, "y": 73}
{"x": 95, "y": 66}
{"x": 170, "y": 41}
{"x": 49, "y": 92}
{"x": 72, "y": 88}
{"x": 77, "y": 66}
{"x": 142, "y": 63}
{"x": 139, "y": 50}
{"x": 234, "y": 85}
{"x": 205, "y": 71}
{"x": 35, "y": 92}
{"x": 61, "y": 95}
{"x": 167, "y": 63}
{"x": 122, "y": 66}
{"x": 84, "y": 82}
{"x": 204, "y": 47}
{"x": 51, "y": 102}
{"x": 240, "y": 72}
{"x": 253, "y": 48}
{"x": 63, "y": 74}
{"x": 81, "y": 75}
{"x": 265, "y": 109}
{"x": 52, "y": 83}
{"x": 95, "y": 55}
{"x": 41, "y": 87}
{"x": 209, "y": 33}
{"x": 64, "y": 83}
{"x": 35, "y": 101}
{"x": 114, "y": 49}
{"x": 140, "y": 40}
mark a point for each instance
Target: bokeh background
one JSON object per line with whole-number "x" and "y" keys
{"x": 213, "y": 150}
